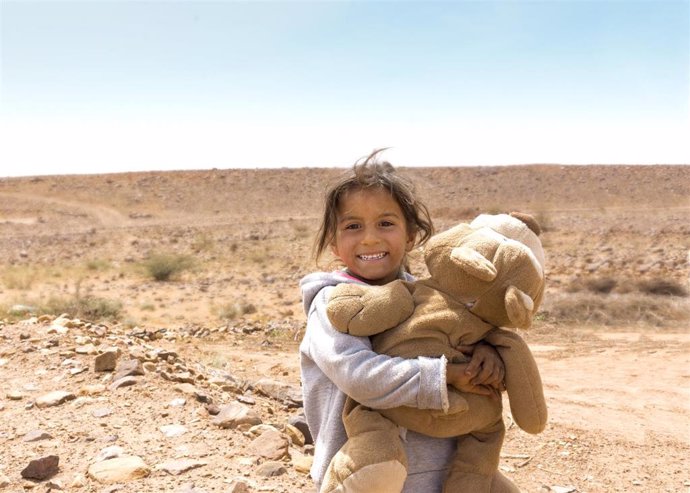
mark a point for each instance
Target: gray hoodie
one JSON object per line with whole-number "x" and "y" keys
{"x": 336, "y": 365}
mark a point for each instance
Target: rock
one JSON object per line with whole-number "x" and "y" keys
{"x": 281, "y": 391}
{"x": 237, "y": 486}
{"x": 189, "y": 488}
{"x": 129, "y": 368}
{"x": 189, "y": 389}
{"x": 295, "y": 435}
{"x": 107, "y": 360}
{"x": 177, "y": 467}
{"x": 54, "y": 484}
{"x": 54, "y": 398}
{"x": 171, "y": 431}
{"x": 86, "y": 349}
{"x": 123, "y": 382}
{"x": 117, "y": 470}
{"x": 271, "y": 445}
{"x": 4, "y": 481}
{"x": 300, "y": 422}
{"x": 179, "y": 402}
{"x": 270, "y": 469}
{"x": 42, "y": 468}
{"x": 109, "y": 453}
{"x": 101, "y": 412}
{"x": 236, "y": 414}
{"x": 15, "y": 395}
{"x": 302, "y": 463}
{"x": 78, "y": 481}
{"x": 36, "y": 435}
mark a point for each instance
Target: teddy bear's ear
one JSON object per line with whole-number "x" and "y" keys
{"x": 473, "y": 263}
{"x": 519, "y": 307}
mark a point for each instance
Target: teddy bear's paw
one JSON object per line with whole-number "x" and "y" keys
{"x": 385, "y": 477}
{"x": 368, "y": 310}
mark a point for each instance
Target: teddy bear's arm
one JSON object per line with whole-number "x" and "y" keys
{"x": 368, "y": 310}
{"x": 523, "y": 382}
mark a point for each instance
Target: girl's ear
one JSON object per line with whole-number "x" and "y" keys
{"x": 334, "y": 249}
{"x": 409, "y": 245}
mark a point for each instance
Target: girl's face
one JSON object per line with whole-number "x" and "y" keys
{"x": 371, "y": 235}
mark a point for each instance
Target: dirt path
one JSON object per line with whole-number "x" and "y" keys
{"x": 106, "y": 216}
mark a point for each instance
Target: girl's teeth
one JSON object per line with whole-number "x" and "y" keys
{"x": 372, "y": 257}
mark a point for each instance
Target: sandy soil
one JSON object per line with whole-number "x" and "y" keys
{"x": 615, "y": 362}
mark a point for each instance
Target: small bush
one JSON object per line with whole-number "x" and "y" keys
{"x": 231, "y": 311}
{"x": 165, "y": 266}
{"x": 97, "y": 265}
{"x": 662, "y": 287}
{"x": 602, "y": 285}
{"x": 86, "y": 307}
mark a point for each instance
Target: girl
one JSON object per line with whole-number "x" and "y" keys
{"x": 371, "y": 220}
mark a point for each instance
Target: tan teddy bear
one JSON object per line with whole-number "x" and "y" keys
{"x": 483, "y": 275}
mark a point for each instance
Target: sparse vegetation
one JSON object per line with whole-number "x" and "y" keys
{"x": 231, "y": 311}
{"x": 19, "y": 277}
{"x": 165, "y": 266}
{"x": 615, "y": 309}
{"x": 662, "y": 287}
{"x": 97, "y": 264}
{"x": 86, "y": 307}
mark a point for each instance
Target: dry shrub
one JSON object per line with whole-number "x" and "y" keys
{"x": 662, "y": 287}
{"x": 84, "y": 307}
{"x": 603, "y": 285}
{"x": 615, "y": 309}
{"x": 164, "y": 266}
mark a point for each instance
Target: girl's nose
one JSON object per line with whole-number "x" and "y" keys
{"x": 370, "y": 236}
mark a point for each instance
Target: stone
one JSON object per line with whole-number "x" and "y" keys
{"x": 107, "y": 360}
{"x": 123, "y": 382}
{"x": 42, "y": 468}
{"x": 189, "y": 488}
{"x": 236, "y": 414}
{"x": 281, "y": 391}
{"x": 109, "y": 453}
{"x": 129, "y": 368}
{"x": 296, "y": 436}
{"x": 237, "y": 486}
{"x": 36, "y": 435}
{"x": 177, "y": 467}
{"x": 86, "y": 349}
{"x": 101, "y": 412}
{"x": 119, "y": 469}
{"x": 302, "y": 463}
{"x": 15, "y": 395}
{"x": 270, "y": 469}
{"x": 172, "y": 431}
{"x": 300, "y": 422}
{"x": 4, "y": 481}
{"x": 54, "y": 398}
{"x": 271, "y": 445}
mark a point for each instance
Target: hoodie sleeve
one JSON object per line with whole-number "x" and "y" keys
{"x": 375, "y": 380}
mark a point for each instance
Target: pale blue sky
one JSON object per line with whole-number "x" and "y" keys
{"x": 99, "y": 86}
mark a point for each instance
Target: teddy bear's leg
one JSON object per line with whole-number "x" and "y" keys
{"x": 501, "y": 484}
{"x": 373, "y": 458}
{"x": 476, "y": 461}
{"x": 367, "y": 310}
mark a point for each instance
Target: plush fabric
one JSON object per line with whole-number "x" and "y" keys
{"x": 485, "y": 277}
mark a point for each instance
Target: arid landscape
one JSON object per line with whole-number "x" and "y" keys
{"x": 149, "y": 325}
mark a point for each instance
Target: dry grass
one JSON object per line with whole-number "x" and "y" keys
{"x": 616, "y": 309}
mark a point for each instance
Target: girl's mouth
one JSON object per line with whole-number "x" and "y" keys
{"x": 372, "y": 256}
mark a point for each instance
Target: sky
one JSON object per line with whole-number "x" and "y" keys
{"x": 112, "y": 86}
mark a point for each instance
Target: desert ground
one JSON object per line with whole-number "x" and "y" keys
{"x": 149, "y": 325}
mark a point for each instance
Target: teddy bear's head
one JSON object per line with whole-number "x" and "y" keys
{"x": 495, "y": 265}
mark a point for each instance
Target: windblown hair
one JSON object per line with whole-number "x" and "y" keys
{"x": 366, "y": 174}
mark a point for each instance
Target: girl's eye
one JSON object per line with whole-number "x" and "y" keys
{"x": 386, "y": 224}
{"x": 352, "y": 226}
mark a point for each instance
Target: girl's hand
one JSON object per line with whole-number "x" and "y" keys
{"x": 486, "y": 366}
{"x": 458, "y": 377}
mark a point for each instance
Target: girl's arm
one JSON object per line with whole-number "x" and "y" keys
{"x": 374, "y": 380}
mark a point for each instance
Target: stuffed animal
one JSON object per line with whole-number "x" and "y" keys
{"x": 485, "y": 276}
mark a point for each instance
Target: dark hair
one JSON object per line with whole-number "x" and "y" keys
{"x": 373, "y": 174}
